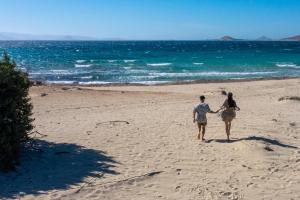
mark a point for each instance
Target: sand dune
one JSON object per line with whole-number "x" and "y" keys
{"x": 139, "y": 142}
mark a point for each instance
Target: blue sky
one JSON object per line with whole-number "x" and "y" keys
{"x": 152, "y": 19}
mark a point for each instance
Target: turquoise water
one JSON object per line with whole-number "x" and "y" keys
{"x": 153, "y": 61}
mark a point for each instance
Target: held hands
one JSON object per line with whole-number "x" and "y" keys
{"x": 218, "y": 111}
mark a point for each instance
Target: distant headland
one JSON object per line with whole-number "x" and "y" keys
{"x": 25, "y": 36}
{"x": 262, "y": 38}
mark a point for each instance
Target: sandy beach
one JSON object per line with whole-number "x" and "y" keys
{"x": 139, "y": 142}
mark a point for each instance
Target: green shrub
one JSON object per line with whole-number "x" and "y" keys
{"x": 15, "y": 112}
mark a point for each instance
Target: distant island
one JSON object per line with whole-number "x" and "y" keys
{"x": 293, "y": 38}
{"x": 228, "y": 38}
{"x": 262, "y": 38}
{"x": 24, "y": 36}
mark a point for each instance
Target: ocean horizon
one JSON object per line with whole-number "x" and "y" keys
{"x": 153, "y": 62}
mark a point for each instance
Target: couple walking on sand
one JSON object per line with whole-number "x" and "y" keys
{"x": 227, "y": 113}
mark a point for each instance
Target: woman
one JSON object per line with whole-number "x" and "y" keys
{"x": 228, "y": 114}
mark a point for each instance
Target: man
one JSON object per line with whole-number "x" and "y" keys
{"x": 201, "y": 119}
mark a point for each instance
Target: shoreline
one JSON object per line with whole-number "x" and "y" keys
{"x": 44, "y": 83}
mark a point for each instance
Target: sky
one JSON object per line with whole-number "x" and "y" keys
{"x": 153, "y": 19}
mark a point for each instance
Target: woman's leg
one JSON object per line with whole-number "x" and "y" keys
{"x": 229, "y": 126}
{"x": 227, "y": 129}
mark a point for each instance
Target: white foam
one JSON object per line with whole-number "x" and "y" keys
{"x": 134, "y": 82}
{"x": 138, "y": 71}
{"x": 56, "y": 72}
{"x": 150, "y": 82}
{"x": 80, "y": 61}
{"x": 288, "y": 65}
{"x": 52, "y": 72}
{"x": 195, "y": 74}
{"x": 94, "y": 83}
{"x": 143, "y": 77}
{"x": 82, "y": 66}
{"x": 159, "y": 64}
{"x": 129, "y": 61}
{"x": 61, "y": 82}
{"x": 86, "y": 77}
{"x": 111, "y": 61}
{"x": 198, "y": 63}
{"x": 23, "y": 69}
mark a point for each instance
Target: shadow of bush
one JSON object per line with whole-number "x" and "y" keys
{"x": 56, "y": 166}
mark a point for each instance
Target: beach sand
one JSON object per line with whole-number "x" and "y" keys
{"x": 139, "y": 142}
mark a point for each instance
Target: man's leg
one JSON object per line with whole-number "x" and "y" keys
{"x": 203, "y": 131}
{"x": 199, "y": 134}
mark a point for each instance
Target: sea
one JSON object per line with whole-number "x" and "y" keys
{"x": 153, "y": 62}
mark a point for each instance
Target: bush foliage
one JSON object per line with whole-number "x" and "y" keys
{"x": 15, "y": 112}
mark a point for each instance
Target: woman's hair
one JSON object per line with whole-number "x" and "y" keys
{"x": 231, "y": 102}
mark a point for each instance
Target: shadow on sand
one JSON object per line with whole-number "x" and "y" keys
{"x": 58, "y": 166}
{"x": 255, "y": 138}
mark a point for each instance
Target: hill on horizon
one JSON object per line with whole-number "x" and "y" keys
{"x": 24, "y": 36}
{"x": 293, "y": 38}
{"x": 264, "y": 38}
{"x": 227, "y": 38}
